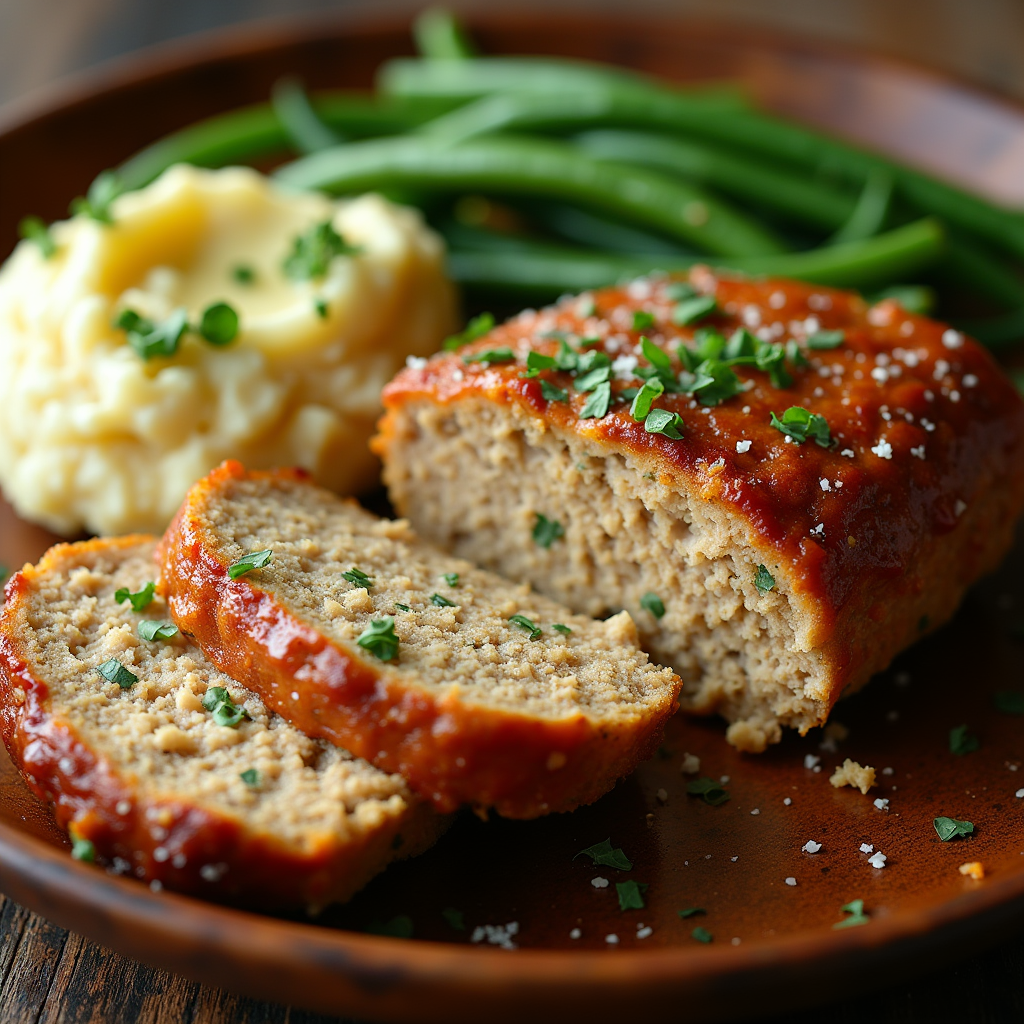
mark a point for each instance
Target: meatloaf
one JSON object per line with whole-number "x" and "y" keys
{"x": 783, "y": 484}
{"x": 476, "y": 690}
{"x": 159, "y": 774}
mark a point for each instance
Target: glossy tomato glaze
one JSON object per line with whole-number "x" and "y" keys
{"x": 923, "y": 418}
{"x": 207, "y": 854}
{"x": 449, "y": 752}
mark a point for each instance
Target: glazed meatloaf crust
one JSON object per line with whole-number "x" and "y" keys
{"x": 775, "y": 568}
{"x": 475, "y": 689}
{"x": 151, "y": 778}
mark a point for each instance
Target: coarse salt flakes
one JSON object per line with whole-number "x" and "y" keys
{"x": 612, "y": 940}
{"x": 736, "y": 941}
{"x": 123, "y": 806}
{"x": 662, "y": 796}
{"x": 496, "y": 934}
{"x": 952, "y": 339}
{"x": 415, "y": 362}
{"x": 458, "y": 375}
{"x": 690, "y": 765}
{"x": 866, "y": 848}
{"x": 883, "y": 449}
{"x": 1019, "y": 794}
{"x": 819, "y": 302}
{"x": 599, "y": 882}
{"x": 882, "y": 803}
{"x": 623, "y": 366}
{"x": 742, "y": 447}
{"x": 756, "y": 810}
{"x": 954, "y": 396}
{"x": 877, "y": 860}
{"x": 811, "y": 760}
{"x": 918, "y": 452}
{"x": 811, "y": 846}
{"x": 575, "y": 933}
{"x": 643, "y": 933}
{"x": 824, "y": 484}
{"x": 791, "y": 880}
{"x": 847, "y": 453}
{"x": 788, "y": 800}
{"x": 887, "y": 771}
{"x": 969, "y": 380}
{"x": 777, "y": 300}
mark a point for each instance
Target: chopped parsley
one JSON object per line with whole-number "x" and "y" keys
{"x": 652, "y": 603}
{"x": 529, "y": 625}
{"x": 1010, "y": 702}
{"x": 219, "y": 324}
{"x": 250, "y": 777}
{"x": 644, "y": 399}
{"x": 451, "y": 578}
{"x": 313, "y": 252}
{"x": 402, "y": 607}
{"x": 82, "y": 849}
{"x": 771, "y": 358}
{"x": 254, "y": 560}
{"x": 358, "y": 578}
{"x": 598, "y": 402}
{"x": 399, "y": 927}
{"x": 741, "y": 345}
{"x": 320, "y": 308}
{"x": 658, "y": 358}
{"x": 476, "y": 328}
{"x": 607, "y": 856}
{"x": 631, "y": 894}
{"x": 826, "y": 339}
{"x": 150, "y": 340}
{"x": 592, "y": 380}
{"x": 442, "y": 602}
{"x": 855, "y": 910}
{"x": 140, "y": 600}
{"x": 242, "y": 273}
{"x": 691, "y": 912}
{"x": 154, "y": 629}
{"x": 537, "y": 361}
{"x": 794, "y": 355}
{"x": 763, "y": 580}
{"x": 34, "y": 229}
{"x": 701, "y": 934}
{"x": 455, "y": 918}
{"x": 961, "y": 741}
{"x": 661, "y": 421}
{"x": 689, "y": 311}
{"x": 4, "y": 573}
{"x": 380, "y": 638}
{"x": 710, "y": 791}
{"x": 224, "y": 710}
{"x": 114, "y": 672}
{"x": 560, "y": 627}
{"x": 800, "y": 424}
{"x": 642, "y": 320}
{"x": 676, "y": 291}
{"x": 546, "y": 531}
{"x": 491, "y": 355}
{"x": 551, "y": 393}
{"x": 104, "y": 189}
{"x": 713, "y": 382}
{"x": 950, "y": 828}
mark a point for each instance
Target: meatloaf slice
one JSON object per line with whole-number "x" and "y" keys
{"x": 151, "y": 777}
{"x": 774, "y": 568}
{"x": 474, "y": 689}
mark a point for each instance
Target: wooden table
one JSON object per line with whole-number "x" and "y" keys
{"x": 49, "y": 975}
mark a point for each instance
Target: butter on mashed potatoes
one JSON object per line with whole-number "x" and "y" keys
{"x": 94, "y": 437}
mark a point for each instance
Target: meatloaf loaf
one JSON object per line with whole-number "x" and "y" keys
{"x": 804, "y": 485}
{"x": 475, "y": 689}
{"x": 159, "y": 774}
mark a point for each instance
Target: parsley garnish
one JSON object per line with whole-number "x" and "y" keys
{"x": 380, "y": 638}
{"x": 83, "y": 849}
{"x": 713, "y": 383}
{"x": 451, "y": 578}
{"x": 592, "y": 380}
{"x": 320, "y": 308}
{"x": 219, "y": 324}
{"x": 652, "y": 603}
{"x": 250, "y": 777}
{"x": 537, "y": 361}
{"x": 826, "y": 339}
{"x": 771, "y": 358}
{"x": 313, "y": 252}
{"x": 631, "y": 894}
{"x": 607, "y": 856}
{"x": 254, "y": 560}
{"x": 224, "y": 710}
{"x": 763, "y": 580}
{"x": 104, "y": 189}
{"x": 689, "y": 311}
{"x": 708, "y": 790}
{"x": 800, "y": 425}
{"x": 1010, "y": 702}
{"x": 560, "y": 627}
{"x": 950, "y": 828}
{"x": 642, "y": 320}
{"x": 34, "y": 229}
{"x": 455, "y": 918}
{"x": 442, "y": 602}
{"x": 140, "y": 600}
{"x": 961, "y": 741}
{"x": 358, "y": 578}
{"x": 702, "y": 934}
{"x": 399, "y": 927}
{"x": 402, "y": 607}
{"x": 476, "y": 328}
{"x": 676, "y": 291}
{"x": 148, "y": 339}
{"x": 795, "y": 356}
{"x": 661, "y": 421}
{"x": 154, "y": 629}
{"x": 644, "y": 399}
{"x": 491, "y": 355}
{"x": 691, "y": 912}
{"x": 529, "y": 625}
{"x": 551, "y": 393}
{"x": 546, "y": 531}
{"x": 243, "y": 273}
{"x": 114, "y": 672}
{"x": 741, "y": 345}
{"x": 597, "y": 404}
{"x": 855, "y": 908}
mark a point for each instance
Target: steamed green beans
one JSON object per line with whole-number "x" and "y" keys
{"x": 439, "y": 36}
{"x": 301, "y": 123}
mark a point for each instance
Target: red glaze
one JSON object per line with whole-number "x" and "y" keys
{"x": 886, "y": 511}
{"x": 85, "y": 790}
{"x": 447, "y": 751}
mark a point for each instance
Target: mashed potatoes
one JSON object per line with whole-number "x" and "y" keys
{"x": 95, "y": 437}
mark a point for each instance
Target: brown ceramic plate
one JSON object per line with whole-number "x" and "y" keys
{"x": 773, "y": 942}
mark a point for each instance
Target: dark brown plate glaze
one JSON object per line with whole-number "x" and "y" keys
{"x": 727, "y": 859}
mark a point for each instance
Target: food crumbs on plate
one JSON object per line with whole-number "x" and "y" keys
{"x": 974, "y": 869}
{"x": 851, "y": 773}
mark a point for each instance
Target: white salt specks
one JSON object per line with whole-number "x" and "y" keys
{"x": 295, "y": 695}
{"x": 960, "y": 507}
{"x": 847, "y": 453}
{"x": 156, "y": 885}
{"x": 882, "y": 803}
{"x": 941, "y": 369}
{"x": 756, "y": 810}
{"x": 815, "y": 302}
{"x": 788, "y": 801}
{"x": 690, "y": 765}
{"x": 746, "y": 410}
{"x": 1019, "y": 794}
{"x": 811, "y": 846}
{"x": 612, "y": 940}
{"x": 415, "y": 362}
{"x": 723, "y": 779}
{"x": 458, "y": 375}
{"x": 737, "y": 941}
{"x": 811, "y": 760}
{"x": 623, "y": 366}
{"x": 66, "y": 765}
{"x": 887, "y": 771}
{"x": 643, "y": 933}
{"x": 777, "y": 300}
{"x": 791, "y": 880}
{"x": 880, "y": 373}
{"x": 160, "y": 855}
{"x": 599, "y": 882}
{"x": 742, "y": 447}
{"x": 866, "y": 847}
{"x": 952, "y": 339}
{"x": 877, "y": 860}
{"x": 918, "y": 452}
{"x": 662, "y": 796}
{"x": 734, "y": 859}
{"x": 123, "y": 806}
{"x": 212, "y": 872}
{"x": 575, "y": 933}
{"x": 818, "y": 531}
{"x": 496, "y": 934}
{"x": 969, "y": 380}
{"x": 883, "y": 449}
{"x": 825, "y": 485}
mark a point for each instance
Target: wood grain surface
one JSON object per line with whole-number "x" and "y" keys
{"x": 49, "y": 975}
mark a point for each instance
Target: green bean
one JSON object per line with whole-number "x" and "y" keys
{"x": 551, "y": 270}
{"x": 301, "y": 123}
{"x": 552, "y": 169}
{"x": 251, "y": 133}
{"x": 439, "y": 36}
{"x": 872, "y": 209}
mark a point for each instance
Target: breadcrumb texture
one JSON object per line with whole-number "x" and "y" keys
{"x": 151, "y": 780}
{"x": 474, "y": 708}
{"x": 871, "y": 541}
{"x": 850, "y": 773}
